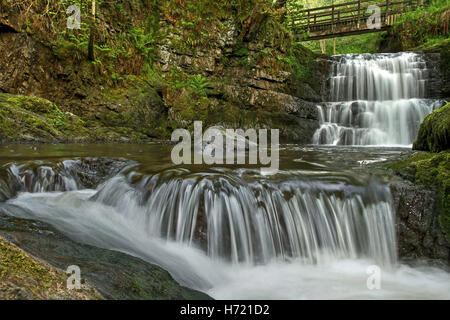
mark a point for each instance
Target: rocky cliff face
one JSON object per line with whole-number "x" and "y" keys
{"x": 233, "y": 65}
{"x": 438, "y": 83}
{"x": 251, "y": 73}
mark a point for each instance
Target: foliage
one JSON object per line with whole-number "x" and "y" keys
{"x": 363, "y": 43}
{"x": 196, "y": 82}
{"x": 423, "y": 26}
{"x": 434, "y": 132}
{"x": 431, "y": 170}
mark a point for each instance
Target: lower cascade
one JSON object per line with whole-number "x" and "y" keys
{"x": 228, "y": 217}
{"x": 230, "y": 233}
{"x": 375, "y": 99}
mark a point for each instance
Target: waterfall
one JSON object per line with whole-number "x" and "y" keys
{"x": 232, "y": 219}
{"x": 375, "y": 99}
{"x": 230, "y": 233}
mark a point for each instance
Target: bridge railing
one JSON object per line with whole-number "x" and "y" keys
{"x": 352, "y": 13}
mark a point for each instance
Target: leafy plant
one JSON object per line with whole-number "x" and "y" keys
{"x": 196, "y": 82}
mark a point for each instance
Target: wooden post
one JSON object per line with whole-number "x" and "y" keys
{"x": 359, "y": 13}
{"x": 332, "y": 18}
{"x": 308, "y": 19}
{"x": 386, "y": 21}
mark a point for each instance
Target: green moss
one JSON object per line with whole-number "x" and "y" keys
{"x": 14, "y": 263}
{"x": 434, "y": 132}
{"x": 35, "y": 280}
{"x": 134, "y": 114}
{"x": 36, "y": 119}
{"x": 433, "y": 171}
{"x": 139, "y": 112}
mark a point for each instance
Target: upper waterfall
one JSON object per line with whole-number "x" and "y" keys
{"x": 375, "y": 99}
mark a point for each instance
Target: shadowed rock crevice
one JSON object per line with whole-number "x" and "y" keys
{"x": 4, "y": 28}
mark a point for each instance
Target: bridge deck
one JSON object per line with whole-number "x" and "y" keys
{"x": 351, "y": 18}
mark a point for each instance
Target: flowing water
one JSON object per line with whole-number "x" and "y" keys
{"x": 375, "y": 99}
{"x": 312, "y": 231}
{"x": 315, "y": 230}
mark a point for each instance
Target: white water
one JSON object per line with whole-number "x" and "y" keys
{"x": 299, "y": 238}
{"x": 375, "y": 100}
{"x": 341, "y": 235}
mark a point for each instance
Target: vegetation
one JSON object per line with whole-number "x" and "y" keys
{"x": 32, "y": 118}
{"x": 433, "y": 171}
{"x": 424, "y": 27}
{"x": 434, "y": 132}
{"x": 25, "y": 277}
{"x": 363, "y": 43}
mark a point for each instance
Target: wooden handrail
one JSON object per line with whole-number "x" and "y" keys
{"x": 344, "y": 13}
{"x": 342, "y": 5}
{"x": 345, "y": 18}
{"x": 356, "y": 10}
{"x": 342, "y": 20}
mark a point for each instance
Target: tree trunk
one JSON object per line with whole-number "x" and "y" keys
{"x": 323, "y": 46}
{"x": 91, "y": 51}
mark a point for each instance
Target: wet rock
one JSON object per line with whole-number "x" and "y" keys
{"x": 113, "y": 274}
{"x": 418, "y": 231}
{"x": 24, "y": 277}
{"x": 434, "y": 132}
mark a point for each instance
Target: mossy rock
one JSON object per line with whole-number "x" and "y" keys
{"x": 26, "y": 118}
{"x": 33, "y": 119}
{"x": 434, "y": 132}
{"x": 433, "y": 171}
{"x": 25, "y": 277}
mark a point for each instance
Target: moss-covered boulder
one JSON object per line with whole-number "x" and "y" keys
{"x": 431, "y": 171}
{"x": 25, "y": 277}
{"x": 434, "y": 132}
{"x": 33, "y": 119}
{"x": 26, "y": 118}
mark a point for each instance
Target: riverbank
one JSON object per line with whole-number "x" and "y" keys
{"x": 24, "y": 277}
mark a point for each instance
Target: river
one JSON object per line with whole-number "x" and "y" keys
{"x": 321, "y": 228}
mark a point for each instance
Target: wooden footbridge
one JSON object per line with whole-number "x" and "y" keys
{"x": 350, "y": 18}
